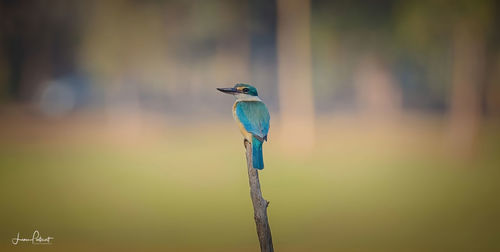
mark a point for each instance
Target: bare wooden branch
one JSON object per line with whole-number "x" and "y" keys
{"x": 259, "y": 204}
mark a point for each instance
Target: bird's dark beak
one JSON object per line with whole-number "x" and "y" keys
{"x": 228, "y": 90}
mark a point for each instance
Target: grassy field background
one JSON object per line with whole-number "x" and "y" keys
{"x": 176, "y": 185}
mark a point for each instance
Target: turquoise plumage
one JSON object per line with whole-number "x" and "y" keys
{"x": 257, "y": 158}
{"x": 253, "y": 118}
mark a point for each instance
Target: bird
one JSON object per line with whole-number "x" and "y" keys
{"x": 252, "y": 117}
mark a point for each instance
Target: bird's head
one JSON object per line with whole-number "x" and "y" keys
{"x": 241, "y": 91}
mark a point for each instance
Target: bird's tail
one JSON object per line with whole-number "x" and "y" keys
{"x": 257, "y": 159}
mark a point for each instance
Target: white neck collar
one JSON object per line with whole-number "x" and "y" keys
{"x": 245, "y": 97}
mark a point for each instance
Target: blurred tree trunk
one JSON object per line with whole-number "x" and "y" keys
{"x": 378, "y": 95}
{"x": 492, "y": 91}
{"x": 465, "y": 103}
{"x": 28, "y": 33}
{"x": 295, "y": 73}
{"x": 4, "y": 72}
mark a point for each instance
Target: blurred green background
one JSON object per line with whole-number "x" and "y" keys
{"x": 385, "y": 124}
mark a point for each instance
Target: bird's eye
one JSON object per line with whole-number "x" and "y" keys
{"x": 245, "y": 90}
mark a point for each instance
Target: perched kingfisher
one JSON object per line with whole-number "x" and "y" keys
{"x": 252, "y": 116}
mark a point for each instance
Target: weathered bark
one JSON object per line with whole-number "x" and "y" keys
{"x": 259, "y": 204}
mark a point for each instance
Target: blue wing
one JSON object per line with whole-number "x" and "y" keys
{"x": 254, "y": 116}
